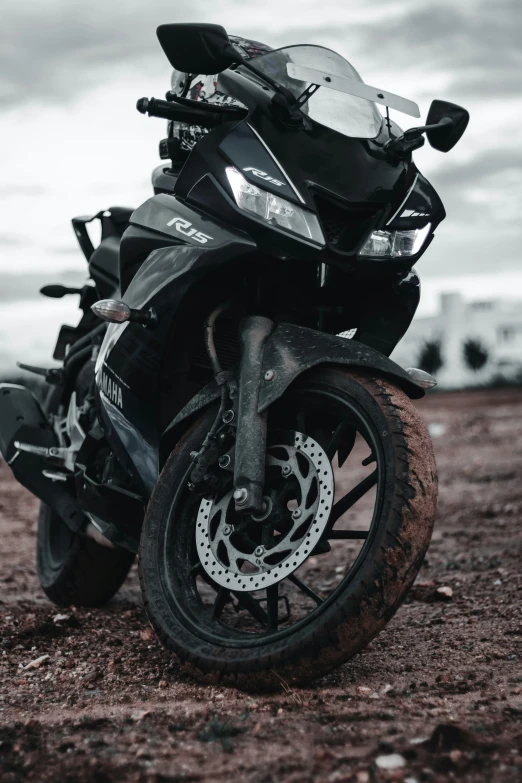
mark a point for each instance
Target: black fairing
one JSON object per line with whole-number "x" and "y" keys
{"x": 134, "y": 359}
{"x": 189, "y": 248}
{"x": 350, "y": 183}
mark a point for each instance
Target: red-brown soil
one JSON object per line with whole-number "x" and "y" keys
{"x": 439, "y": 691}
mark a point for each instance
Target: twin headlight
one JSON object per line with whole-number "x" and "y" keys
{"x": 395, "y": 244}
{"x": 273, "y": 209}
{"x": 283, "y": 214}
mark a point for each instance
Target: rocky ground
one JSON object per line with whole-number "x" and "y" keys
{"x": 89, "y": 695}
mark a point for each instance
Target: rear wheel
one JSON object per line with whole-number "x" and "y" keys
{"x": 350, "y": 497}
{"x": 72, "y": 568}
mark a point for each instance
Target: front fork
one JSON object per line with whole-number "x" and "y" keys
{"x": 249, "y": 465}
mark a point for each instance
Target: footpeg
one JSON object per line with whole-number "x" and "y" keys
{"x": 42, "y": 451}
{"x": 54, "y": 476}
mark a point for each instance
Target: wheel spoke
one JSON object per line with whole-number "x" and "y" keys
{"x": 346, "y": 446}
{"x": 300, "y": 421}
{"x": 305, "y": 589}
{"x": 221, "y": 599}
{"x": 272, "y": 603}
{"x": 355, "y": 494}
{"x": 348, "y": 534}
{"x": 248, "y": 603}
{"x": 335, "y": 440}
{"x": 196, "y": 570}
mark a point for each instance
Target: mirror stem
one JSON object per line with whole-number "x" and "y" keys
{"x": 413, "y": 133}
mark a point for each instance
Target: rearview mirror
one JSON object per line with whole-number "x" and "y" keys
{"x": 445, "y": 137}
{"x": 197, "y": 48}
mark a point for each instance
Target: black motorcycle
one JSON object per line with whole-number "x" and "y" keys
{"x": 239, "y": 423}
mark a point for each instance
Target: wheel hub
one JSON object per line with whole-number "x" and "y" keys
{"x": 252, "y": 554}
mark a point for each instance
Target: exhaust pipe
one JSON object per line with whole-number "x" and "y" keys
{"x": 27, "y": 442}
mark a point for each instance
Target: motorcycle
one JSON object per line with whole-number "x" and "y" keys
{"x": 226, "y": 406}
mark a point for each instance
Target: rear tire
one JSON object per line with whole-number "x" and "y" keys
{"x": 74, "y": 569}
{"x": 363, "y": 602}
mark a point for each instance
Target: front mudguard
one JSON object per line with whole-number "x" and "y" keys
{"x": 289, "y": 351}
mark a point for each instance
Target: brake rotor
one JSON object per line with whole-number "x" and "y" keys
{"x": 231, "y": 550}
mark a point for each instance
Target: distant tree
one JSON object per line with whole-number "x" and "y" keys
{"x": 430, "y": 356}
{"x": 475, "y": 354}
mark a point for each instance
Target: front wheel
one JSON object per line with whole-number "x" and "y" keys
{"x": 350, "y": 497}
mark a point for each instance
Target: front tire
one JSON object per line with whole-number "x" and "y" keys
{"x": 345, "y": 616}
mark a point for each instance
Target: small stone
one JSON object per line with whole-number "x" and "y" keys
{"x": 147, "y": 635}
{"x": 362, "y": 777}
{"x": 61, "y": 618}
{"x": 362, "y": 690}
{"x": 140, "y": 715}
{"x": 163, "y": 683}
{"x": 391, "y": 761}
{"x": 37, "y": 662}
{"x": 445, "y": 593}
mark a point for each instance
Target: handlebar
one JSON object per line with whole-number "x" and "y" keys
{"x": 191, "y": 115}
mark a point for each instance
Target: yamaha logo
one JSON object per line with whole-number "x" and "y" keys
{"x": 111, "y": 390}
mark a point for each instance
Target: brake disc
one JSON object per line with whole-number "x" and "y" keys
{"x": 230, "y": 549}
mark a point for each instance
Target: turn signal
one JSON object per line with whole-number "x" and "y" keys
{"x": 112, "y": 310}
{"x": 421, "y": 378}
{"x": 117, "y": 312}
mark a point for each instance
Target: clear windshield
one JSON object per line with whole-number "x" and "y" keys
{"x": 347, "y": 114}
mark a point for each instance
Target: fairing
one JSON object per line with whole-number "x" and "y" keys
{"x": 348, "y": 182}
{"x": 130, "y": 366}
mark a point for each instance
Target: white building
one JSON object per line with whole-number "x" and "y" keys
{"x": 496, "y": 323}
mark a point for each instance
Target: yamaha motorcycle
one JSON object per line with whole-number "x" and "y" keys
{"x": 226, "y": 406}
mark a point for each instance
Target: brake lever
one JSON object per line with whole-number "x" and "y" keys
{"x": 213, "y": 107}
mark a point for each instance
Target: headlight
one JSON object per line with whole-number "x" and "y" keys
{"x": 274, "y": 209}
{"x": 395, "y": 244}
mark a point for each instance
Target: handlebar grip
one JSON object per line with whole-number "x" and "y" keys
{"x": 172, "y": 111}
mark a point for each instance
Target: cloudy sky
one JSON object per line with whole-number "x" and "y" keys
{"x": 73, "y": 143}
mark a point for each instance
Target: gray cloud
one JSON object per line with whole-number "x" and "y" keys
{"x": 53, "y": 49}
{"x": 6, "y": 240}
{"x": 10, "y": 191}
{"x": 476, "y": 43}
{"x": 492, "y": 162}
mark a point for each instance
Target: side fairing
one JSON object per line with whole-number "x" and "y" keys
{"x": 130, "y": 363}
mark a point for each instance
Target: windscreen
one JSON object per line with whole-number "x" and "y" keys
{"x": 347, "y": 114}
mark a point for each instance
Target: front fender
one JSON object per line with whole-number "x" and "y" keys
{"x": 289, "y": 351}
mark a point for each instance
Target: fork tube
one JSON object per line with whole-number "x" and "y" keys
{"x": 249, "y": 466}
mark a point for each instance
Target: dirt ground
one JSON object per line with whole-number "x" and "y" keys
{"x": 436, "y": 697}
